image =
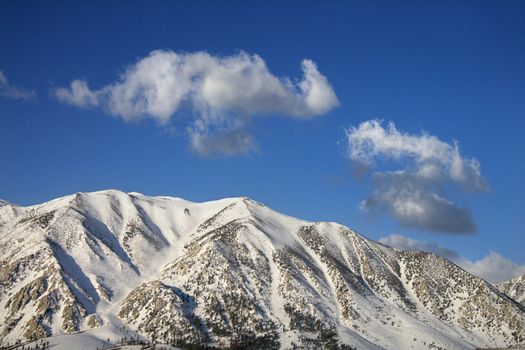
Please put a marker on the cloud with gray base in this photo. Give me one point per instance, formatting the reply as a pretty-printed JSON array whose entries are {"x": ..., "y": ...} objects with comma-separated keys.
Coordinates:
[
  {"x": 12, "y": 92},
  {"x": 414, "y": 195},
  {"x": 222, "y": 95},
  {"x": 229, "y": 143},
  {"x": 493, "y": 267}
]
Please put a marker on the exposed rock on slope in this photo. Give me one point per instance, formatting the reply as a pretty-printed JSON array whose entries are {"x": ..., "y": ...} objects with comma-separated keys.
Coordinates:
[{"x": 233, "y": 273}]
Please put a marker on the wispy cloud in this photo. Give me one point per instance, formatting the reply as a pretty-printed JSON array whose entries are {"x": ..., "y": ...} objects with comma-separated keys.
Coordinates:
[
  {"x": 229, "y": 143},
  {"x": 221, "y": 93},
  {"x": 414, "y": 194},
  {"x": 12, "y": 92},
  {"x": 493, "y": 267}
]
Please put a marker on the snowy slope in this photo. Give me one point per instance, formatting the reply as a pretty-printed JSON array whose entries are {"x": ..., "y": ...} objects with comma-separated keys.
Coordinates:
[
  {"x": 230, "y": 272},
  {"x": 515, "y": 288}
]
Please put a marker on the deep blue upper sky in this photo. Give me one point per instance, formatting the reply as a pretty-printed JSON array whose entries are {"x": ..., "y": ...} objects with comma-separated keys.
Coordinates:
[{"x": 455, "y": 69}]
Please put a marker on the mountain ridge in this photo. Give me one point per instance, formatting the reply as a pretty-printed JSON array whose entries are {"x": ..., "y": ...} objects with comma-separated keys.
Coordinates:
[
  {"x": 514, "y": 288},
  {"x": 232, "y": 272}
]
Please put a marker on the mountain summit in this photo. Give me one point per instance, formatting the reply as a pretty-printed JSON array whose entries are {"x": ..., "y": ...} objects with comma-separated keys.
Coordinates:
[
  {"x": 515, "y": 288},
  {"x": 228, "y": 273}
]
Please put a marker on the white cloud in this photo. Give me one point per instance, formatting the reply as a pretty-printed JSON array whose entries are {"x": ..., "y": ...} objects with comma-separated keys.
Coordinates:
[
  {"x": 15, "y": 93},
  {"x": 493, "y": 267},
  {"x": 414, "y": 195},
  {"x": 78, "y": 94},
  {"x": 222, "y": 94},
  {"x": 432, "y": 158}
]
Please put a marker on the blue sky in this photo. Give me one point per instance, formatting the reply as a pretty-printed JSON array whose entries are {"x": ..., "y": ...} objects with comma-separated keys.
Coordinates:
[{"x": 455, "y": 70}]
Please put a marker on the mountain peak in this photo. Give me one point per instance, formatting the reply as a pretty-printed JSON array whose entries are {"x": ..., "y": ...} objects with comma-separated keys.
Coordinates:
[{"x": 514, "y": 288}]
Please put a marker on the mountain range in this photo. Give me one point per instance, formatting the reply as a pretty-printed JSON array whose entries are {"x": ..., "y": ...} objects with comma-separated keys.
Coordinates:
[{"x": 89, "y": 268}]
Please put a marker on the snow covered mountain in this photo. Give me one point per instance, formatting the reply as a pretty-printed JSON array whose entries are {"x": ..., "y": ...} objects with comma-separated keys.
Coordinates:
[
  {"x": 231, "y": 273},
  {"x": 515, "y": 288}
]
